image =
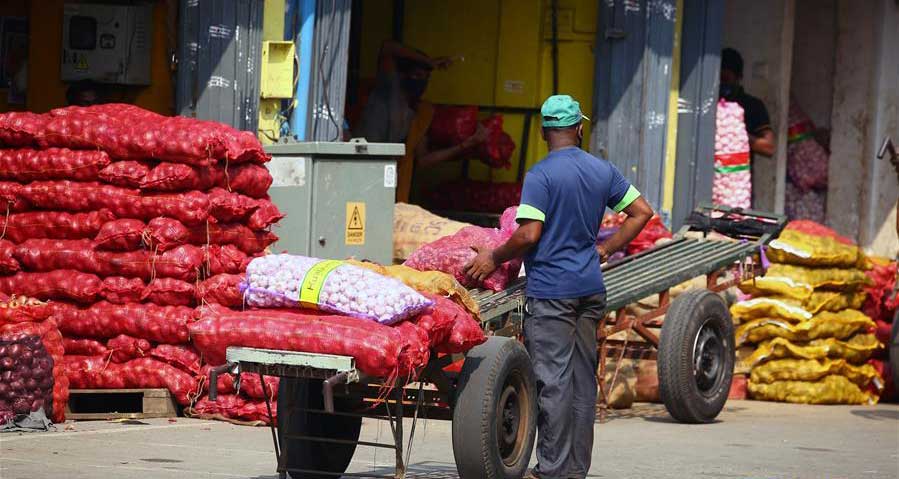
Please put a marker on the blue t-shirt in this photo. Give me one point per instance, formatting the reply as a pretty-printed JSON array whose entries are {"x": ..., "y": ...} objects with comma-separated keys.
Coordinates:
[{"x": 569, "y": 191}]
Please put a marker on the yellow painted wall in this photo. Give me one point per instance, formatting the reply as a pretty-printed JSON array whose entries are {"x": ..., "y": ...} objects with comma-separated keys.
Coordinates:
[
  {"x": 45, "y": 89},
  {"x": 507, "y": 60},
  {"x": 11, "y": 8}
]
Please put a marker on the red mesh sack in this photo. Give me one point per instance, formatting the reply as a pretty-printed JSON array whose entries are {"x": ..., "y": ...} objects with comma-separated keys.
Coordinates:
[
  {"x": 127, "y": 174},
  {"x": 242, "y": 237},
  {"x": 160, "y": 324},
  {"x": 95, "y": 372},
  {"x": 20, "y": 128},
  {"x": 463, "y": 331},
  {"x": 173, "y": 177},
  {"x": 816, "y": 229},
  {"x": 507, "y": 222},
  {"x": 189, "y": 208},
  {"x": 183, "y": 262},
  {"x": 496, "y": 152},
  {"x": 59, "y": 284},
  {"x": 11, "y": 194},
  {"x": 224, "y": 383},
  {"x": 33, "y": 375},
  {"x": 249, "y": 179},
  {"x": 451, "y": 253},
  {"x": 230, "y": 207},
  {"x": 225, "y": 259},
  {"x": 222, "y": 289},
  {"x": 451, "y": 125},
  {"x": 163, "y": 234},
  {"x": 235, "y": 409},
  {"x": 25, "y": 164},
  {"x": 438, "y": 321},
  {"x": 243, "y": 146},
  {"x": 8, "y": 262},
  {"x": 266, "y": 215},
  {"x": 121, "y": 290},
  {"x": 877, "y": 304},
  {"x": 20, "y": 227},
  {"x": 84, "y": 347},
  {"x": 18, "y": 309},
  {"x": 184, "y": 357},
  {"x": 120, "y": 235},
  {"x": 653, "y": 231},
  {"x": 379, "y": 350},
  {"x": 125, "y": 348},
  {"x": 170, "y": 292},
  {"x": 478, "y": 196}
]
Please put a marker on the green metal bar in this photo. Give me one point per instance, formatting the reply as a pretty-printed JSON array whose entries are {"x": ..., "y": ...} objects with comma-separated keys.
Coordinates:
[
  {"x": 695, "y": 259},
  {"x": 657, "y": 261}
]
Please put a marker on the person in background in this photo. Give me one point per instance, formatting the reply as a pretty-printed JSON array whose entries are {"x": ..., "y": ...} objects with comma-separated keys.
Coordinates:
[
  {"x": 83, "y": 93},
  {"x": 396, "y": 112},
  {"x": 563, "y": 201},
  {"x": 758, "y": 123}
]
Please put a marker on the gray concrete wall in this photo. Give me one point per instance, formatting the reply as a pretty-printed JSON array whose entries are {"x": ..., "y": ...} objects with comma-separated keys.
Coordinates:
[
  {"x": 813, "y": 58},
  {"x": 862, "y": 191},
  {"x": 762, "y": 31}
]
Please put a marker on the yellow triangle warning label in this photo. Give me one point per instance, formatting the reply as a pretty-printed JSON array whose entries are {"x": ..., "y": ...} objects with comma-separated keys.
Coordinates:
[
  {"x": 355, "y": 223},
  {"x": 82, "y": 63}
]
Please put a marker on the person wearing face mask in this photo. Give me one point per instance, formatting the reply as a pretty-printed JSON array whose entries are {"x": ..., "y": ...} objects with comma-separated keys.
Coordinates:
[
  {"x": 396, "y": 113},
  {"x": 758, "y": 123},
  {"x": 563, "y": 201}
]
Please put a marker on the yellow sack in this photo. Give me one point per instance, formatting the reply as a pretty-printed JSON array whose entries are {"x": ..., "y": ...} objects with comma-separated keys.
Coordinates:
[
  {"x": 814, "y": 370},
  {"x": 777, "y": 286},
  {"x": 768, "y": 308},
  {"x": 834, "y": 301},
  {"x": 433, "y": 282},
  {"x": 837, "y": 279},
  {"x": 794, "y": 247},
  {"x": 855, "y": 350},
  {"x": 832, "y": 389},
  {"x": 823, "y": 325},
  {"x": 414, "y": 226}
]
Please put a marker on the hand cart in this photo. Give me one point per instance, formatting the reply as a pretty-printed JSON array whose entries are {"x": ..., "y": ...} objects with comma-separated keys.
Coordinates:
[{"x": 491, "y": 401}]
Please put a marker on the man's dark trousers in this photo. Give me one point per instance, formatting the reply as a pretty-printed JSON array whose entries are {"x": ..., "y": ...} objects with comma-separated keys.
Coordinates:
[{"x": 560, "y": 336}]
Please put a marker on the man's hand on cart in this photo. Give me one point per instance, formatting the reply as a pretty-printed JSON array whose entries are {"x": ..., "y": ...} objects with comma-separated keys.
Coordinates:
[
  {"x": 482, "y": 265},
  {"x": 524, "y": 238}
]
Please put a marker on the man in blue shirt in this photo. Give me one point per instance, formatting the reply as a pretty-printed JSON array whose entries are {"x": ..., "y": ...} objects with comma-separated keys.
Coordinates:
[{"x": 562, "y": 204}]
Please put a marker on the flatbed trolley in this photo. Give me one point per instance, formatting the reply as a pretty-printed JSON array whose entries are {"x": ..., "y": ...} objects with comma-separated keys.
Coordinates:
[{"x": 491, "y": 400}]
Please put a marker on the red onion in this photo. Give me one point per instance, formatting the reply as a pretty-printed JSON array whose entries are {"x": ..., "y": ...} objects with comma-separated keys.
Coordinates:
[
  {"x": 21, "y": 406},
  {"x": 7, "y": 363}
]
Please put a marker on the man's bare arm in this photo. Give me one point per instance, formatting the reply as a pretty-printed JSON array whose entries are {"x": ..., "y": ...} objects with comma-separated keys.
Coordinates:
[
  {"x": 764, "y": 143},
  {"x": 638, "y": 214}
]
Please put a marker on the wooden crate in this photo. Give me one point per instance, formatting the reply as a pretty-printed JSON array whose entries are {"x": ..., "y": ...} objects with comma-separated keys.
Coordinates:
[{"x": 91, "y": 404}]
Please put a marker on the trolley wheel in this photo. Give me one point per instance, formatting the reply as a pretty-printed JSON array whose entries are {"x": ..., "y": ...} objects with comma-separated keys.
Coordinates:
[
  {"x": 894, "y": 350},
  {"x": 495, "y": 415},
  {"x": 302, "y": 454},
  {"x": 696, "y": 357}
]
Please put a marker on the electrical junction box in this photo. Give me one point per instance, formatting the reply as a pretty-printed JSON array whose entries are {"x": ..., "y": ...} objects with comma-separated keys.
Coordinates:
[
  {"x": 277, "y": 70},
  {"x": 107, "y": 43},
  {"x": 338, "y": 198}
]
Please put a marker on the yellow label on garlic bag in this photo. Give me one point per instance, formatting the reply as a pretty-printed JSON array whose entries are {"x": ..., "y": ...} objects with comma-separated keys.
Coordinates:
[{"x": 314, "y": 280}]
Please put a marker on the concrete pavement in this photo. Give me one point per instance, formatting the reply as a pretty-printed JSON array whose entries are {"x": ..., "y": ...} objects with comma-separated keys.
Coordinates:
[{"x": 751, "y": 440}]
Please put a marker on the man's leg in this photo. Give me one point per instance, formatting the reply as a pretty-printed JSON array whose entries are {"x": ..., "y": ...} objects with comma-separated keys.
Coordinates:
[
  {"x": 584, "y": 363},
  {"x": 549, "y": 330}
]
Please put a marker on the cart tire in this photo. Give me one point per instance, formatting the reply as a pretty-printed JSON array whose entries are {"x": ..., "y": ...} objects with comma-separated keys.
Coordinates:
[
  {"x": 319, "y": 456},
  {"x": 696, "y": 357},
  {"x": 495, "y": 414},
  {"x": 894, "y": 353}
]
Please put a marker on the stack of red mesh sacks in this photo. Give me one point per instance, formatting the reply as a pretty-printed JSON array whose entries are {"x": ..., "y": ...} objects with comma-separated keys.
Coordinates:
[{"x": 128, "y": 220}]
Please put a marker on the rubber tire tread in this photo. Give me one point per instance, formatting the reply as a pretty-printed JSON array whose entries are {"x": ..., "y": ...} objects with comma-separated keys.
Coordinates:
[
  {"x": 309, "y": 455},
  {"x": 474, "y": 415},
  {"x": 677, "y": 386}
]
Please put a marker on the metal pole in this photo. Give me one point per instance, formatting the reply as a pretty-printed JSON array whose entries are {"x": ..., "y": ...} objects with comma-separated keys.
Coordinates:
[
  {"x": 304, "y": 40},
  {"x": 555, "y": 46}
]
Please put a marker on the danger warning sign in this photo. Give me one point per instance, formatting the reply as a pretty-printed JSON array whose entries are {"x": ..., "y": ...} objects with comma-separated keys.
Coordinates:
[{"x": 355, "y": 223}]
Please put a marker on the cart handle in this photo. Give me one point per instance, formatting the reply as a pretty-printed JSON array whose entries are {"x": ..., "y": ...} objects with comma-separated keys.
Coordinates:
[
  {"x": 328, "y": 389},
  {"x": 214, "y": 376}
]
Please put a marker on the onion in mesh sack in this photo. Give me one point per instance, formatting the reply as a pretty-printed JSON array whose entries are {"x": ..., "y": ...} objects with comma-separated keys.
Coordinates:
[
  {"x": 31, "y": 373},
  {"x": 25, "y": 164},
  {"x": 293, "y": 281}
]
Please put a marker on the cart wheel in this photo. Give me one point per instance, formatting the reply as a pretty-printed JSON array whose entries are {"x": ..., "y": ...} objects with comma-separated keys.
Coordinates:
[
  {"x": 894, "y": 350},
  {"x": 696, "y": 357},
  {"x": 495, "y": 416},
  {"x": 335, "y": 458}
]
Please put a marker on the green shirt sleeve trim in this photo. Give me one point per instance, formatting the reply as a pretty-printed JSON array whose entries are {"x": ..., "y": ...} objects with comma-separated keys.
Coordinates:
[
  {"x": 629, "y": 197},
  {"x": 528, "y": 212}
]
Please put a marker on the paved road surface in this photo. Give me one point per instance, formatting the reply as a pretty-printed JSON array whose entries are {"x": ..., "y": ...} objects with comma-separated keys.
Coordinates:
[{"x": 752, "y": 440}]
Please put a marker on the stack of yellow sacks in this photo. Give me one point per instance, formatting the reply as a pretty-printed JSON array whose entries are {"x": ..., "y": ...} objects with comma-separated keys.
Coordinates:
[{"x": 811, "y": 339}]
